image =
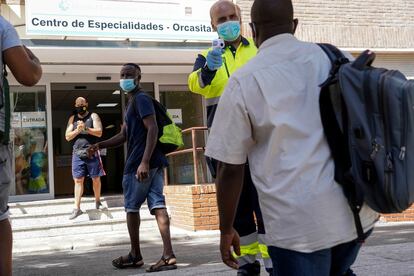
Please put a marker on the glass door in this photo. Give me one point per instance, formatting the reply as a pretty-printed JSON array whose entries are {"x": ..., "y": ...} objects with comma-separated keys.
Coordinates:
[{"x": 29, "y": 138}]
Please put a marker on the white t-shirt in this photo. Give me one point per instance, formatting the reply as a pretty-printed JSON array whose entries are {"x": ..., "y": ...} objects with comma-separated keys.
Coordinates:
[
  {"x": 269, "y": 113},
  {"x": 8, "y": 39}
]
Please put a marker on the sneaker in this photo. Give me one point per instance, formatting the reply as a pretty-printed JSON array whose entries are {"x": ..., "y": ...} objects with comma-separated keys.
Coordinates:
[
  {"x": 98, "y": 205},
  {"x": 75, "y": 213}
]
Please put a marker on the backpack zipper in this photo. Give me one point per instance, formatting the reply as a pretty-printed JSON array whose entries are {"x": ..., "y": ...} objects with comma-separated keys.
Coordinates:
[
  {"x": 403, "y": 146},
  {"x": 388, "y": 161},
  {"x": 375, "y": 146},
  {"x": 384, "y": 108}
]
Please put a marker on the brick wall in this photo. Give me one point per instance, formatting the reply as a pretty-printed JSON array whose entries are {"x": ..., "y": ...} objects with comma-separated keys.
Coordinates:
[
  {"x": 192, "y": 207},
  {"x": 348, "y": 23},
  {"x": 408, "y": 215}
]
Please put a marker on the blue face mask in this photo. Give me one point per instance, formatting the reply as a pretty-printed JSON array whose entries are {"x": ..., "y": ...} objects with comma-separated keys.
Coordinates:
[
  {"x": 127, "y": 84},
  {"x": 229, "y": 31}
]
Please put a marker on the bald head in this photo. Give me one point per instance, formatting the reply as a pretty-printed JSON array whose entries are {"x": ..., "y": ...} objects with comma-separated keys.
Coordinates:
[
  {"x": 222, "y": 11},
  {"x": 81, "y": 101},
  {"x": 272, "y": 17}
]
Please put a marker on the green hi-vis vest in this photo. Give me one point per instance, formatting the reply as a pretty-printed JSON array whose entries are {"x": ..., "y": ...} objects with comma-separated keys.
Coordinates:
[{"x": 230, "y": 64}]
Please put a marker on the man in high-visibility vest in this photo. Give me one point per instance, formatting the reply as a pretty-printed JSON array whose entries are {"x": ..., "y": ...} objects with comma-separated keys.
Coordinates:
[{"x": 212, "y": 69}]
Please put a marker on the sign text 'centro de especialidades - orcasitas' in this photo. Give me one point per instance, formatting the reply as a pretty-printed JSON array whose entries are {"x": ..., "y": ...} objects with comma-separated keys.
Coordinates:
[{"x": 152, "y": 20}]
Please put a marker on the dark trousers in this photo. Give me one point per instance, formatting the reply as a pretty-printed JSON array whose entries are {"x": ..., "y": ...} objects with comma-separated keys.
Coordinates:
[
  {"x": 248, "y": 207},
  {"x": 248, "y": 221},
  {"x": 335, "y": 261}
]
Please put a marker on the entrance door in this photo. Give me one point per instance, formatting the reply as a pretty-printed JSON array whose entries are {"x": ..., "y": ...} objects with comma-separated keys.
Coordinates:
[
  {"x": 106, "y": 100},
  {"x": 103, "y": 99}
]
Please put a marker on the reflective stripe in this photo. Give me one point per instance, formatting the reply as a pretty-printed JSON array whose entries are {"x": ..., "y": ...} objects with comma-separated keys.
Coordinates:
[
  {"x": 268, "y": 263},
  {"x": 212, "y": 101},
  {"x": 200, "y": 79},
  {"x": 244, "y": 260},
  {"x": 251, "y": 249},
  {"x": 263, "y": 251},
  {"x": 249, "y": 239}
]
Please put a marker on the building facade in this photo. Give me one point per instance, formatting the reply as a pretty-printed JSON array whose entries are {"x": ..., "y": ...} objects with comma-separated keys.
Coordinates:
[{"x": 78, "y": 65}]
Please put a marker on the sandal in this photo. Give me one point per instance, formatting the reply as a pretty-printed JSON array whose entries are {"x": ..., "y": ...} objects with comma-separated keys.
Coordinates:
[
  {"x": 131, "y": 262},
  {"x": 165, "y": 263}
]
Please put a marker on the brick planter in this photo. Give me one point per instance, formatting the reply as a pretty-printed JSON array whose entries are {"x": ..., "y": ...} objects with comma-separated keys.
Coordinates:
[
  {"x": 192, "y": 207},
  {"x": 407, "y": 215}
]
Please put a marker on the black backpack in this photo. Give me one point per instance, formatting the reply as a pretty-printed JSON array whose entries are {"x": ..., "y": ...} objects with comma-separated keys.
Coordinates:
[{"x": 368, "y": 119}]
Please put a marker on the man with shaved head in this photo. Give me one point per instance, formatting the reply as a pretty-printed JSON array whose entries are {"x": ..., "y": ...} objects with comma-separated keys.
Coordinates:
[
  {"x": 212, "y": 70},
  {"x": 83, "y": 130},
  {"x": 269, "y": 114}
]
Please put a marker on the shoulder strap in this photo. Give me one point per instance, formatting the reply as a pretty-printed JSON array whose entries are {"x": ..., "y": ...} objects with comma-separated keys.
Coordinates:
[
  {"x": 335, "y": 124},
  {"x": 7, "y": 113},
  {"x": 337, "y": 59}
]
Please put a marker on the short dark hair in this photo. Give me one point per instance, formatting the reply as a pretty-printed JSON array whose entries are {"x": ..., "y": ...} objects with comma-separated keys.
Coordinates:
[{"x": 133, "y": 65}]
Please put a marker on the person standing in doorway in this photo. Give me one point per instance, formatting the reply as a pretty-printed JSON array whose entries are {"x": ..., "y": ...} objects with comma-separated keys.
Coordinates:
[
  {"x": 84, "y": 128},
  {"x": 27, "y": 70},
  {"x": 144, "y": 170},
  {"x": 212, "y": 70}
]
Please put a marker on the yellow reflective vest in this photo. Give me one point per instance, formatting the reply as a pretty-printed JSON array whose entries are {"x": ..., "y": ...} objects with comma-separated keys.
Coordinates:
[{"x": 231, "y": 63}]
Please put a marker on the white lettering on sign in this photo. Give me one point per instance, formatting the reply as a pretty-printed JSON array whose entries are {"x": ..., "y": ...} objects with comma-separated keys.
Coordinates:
[
  {"x": 176, "y": 115},
  {"x": 150, "y": 20}
]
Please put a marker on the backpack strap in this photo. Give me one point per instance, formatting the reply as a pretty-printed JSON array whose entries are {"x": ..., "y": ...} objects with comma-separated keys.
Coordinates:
[
  {"x": 335, "y": 124},
  {"x": 337, "y": 59},
  {"x": 7, "y": 113}
]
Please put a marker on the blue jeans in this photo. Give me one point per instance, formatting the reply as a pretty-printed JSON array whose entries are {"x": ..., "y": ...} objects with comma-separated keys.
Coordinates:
[
  {"x": 335, "y": 261},
  {"x": 151, "y": 190}
]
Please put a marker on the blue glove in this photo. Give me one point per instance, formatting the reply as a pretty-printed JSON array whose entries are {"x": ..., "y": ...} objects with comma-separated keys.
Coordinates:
[{"x": 214, "y": 59}]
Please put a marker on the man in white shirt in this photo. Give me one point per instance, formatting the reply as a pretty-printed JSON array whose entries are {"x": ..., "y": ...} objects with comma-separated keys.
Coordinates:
[{"x": 269, "y": 113}]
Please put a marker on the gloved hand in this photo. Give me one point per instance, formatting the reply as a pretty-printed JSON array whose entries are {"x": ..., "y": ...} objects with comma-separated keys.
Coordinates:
[{"x": 214, "y": 59}]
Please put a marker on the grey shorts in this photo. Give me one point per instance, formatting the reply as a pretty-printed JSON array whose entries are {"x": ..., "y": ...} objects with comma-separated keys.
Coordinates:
[{"x": 5, "y": 179}]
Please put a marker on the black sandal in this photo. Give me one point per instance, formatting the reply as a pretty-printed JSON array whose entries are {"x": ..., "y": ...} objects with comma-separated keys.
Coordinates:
[
  {"x": 164, "y": 264},
  {"x": 120, "y": 263}
]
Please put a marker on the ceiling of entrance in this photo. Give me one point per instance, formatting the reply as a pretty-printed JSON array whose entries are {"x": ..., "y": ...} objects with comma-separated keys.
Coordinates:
[{"x": 64, "y": 94}]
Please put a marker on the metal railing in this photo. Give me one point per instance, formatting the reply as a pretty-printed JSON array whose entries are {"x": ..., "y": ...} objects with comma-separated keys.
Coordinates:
[{"x": 194, "y": 150}]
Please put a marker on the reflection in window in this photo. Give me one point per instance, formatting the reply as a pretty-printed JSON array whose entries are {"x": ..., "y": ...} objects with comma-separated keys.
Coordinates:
[
  {"x": 29, "y": 132},
  {"x": 186, "y": 109}
]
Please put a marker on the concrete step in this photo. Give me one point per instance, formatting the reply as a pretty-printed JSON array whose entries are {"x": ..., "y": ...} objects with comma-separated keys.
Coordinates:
[
  {"x": 33, "y": 220},
  {"x": 42, "y": 219},
  {"x": 42, "y": 207}
]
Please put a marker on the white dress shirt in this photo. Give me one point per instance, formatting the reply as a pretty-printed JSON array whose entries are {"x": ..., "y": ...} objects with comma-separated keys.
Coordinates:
[{"x": 269, "y": 113}]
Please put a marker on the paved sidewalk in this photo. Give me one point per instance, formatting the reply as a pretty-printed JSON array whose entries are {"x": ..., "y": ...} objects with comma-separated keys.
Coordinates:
[{"x": 389, "y": 251}]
